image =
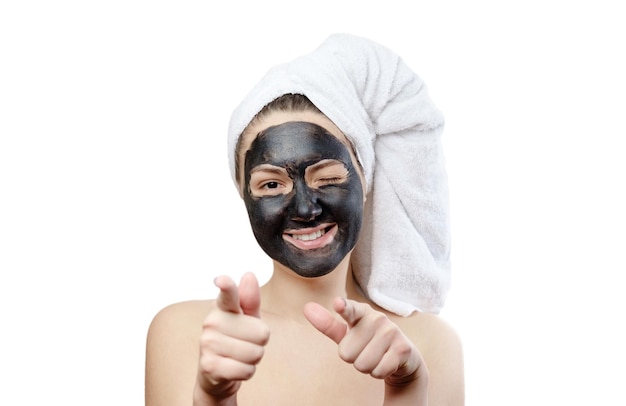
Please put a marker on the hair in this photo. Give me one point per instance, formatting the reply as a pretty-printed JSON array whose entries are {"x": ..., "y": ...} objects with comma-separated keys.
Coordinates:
[{"x": 290, "y": 102}]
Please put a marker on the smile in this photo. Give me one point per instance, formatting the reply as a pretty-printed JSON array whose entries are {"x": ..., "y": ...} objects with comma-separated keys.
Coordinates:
[{"x": 308, "y": 239}]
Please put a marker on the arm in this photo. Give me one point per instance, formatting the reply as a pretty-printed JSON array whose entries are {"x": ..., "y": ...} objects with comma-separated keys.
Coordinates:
[
  {"x": 442, "y": 351},
  {"x": 232, "y": 342},
  {"x": 172, "y": 354}
]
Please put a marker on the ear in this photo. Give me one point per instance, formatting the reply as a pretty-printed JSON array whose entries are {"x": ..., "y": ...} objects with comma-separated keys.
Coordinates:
[
  {"x": 240, "y": 188},
  {"x": 363, "y": 190}
]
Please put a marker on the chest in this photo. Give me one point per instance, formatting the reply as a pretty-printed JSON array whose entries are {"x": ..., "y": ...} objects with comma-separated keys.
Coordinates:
[{"x": 301, "y": 366}]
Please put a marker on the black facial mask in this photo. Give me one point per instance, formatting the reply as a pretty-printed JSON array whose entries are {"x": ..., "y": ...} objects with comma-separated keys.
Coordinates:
[{"x": 331, "y": 211}]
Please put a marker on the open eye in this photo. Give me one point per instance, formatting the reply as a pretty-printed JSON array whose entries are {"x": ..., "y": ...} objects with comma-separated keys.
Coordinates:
[
  {"x": 269, "y": 182},
  {"x": 270, "y": 185}
]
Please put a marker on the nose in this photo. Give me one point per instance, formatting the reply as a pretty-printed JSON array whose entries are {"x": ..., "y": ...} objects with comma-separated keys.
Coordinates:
[{"x": 305, "y": 205}]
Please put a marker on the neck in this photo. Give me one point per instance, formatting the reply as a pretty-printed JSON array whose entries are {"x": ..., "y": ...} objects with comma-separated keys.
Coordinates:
[{"x": 286, "y": 293}]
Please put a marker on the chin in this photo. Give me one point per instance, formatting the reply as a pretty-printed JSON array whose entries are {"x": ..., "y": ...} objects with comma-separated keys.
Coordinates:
[
  {"x": 310, "y": 267},
  {"x": 312, "y": 273}
]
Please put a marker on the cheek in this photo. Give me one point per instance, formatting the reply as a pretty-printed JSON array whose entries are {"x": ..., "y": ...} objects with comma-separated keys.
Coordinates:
[
  {"x": 266, "y": 212},
  {"x": 346, "y": 201}
]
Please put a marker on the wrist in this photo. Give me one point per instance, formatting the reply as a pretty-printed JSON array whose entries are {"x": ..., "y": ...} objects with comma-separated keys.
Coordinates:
[
  {"x": 202, "y": 398},
  {"x": 419, "y": 376},
  {"x": 411, "y": 388}
]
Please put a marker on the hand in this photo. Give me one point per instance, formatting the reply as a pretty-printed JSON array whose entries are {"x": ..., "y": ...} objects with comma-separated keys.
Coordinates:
[
  {"x": 370, "y": 341},
  {"x": 232, "y": 341}
]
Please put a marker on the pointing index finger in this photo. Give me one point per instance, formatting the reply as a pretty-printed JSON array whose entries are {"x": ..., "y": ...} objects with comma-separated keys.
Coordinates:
[
  {"x": 250, "y": 295},
  {"x": 228, "y": 298},
  {"x": 350, "y": 310}
]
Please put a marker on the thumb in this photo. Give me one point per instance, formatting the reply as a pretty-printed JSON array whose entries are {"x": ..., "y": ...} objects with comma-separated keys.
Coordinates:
[
  {"x": 250, "y": 295},
  {"x": 325, "y": 322}
]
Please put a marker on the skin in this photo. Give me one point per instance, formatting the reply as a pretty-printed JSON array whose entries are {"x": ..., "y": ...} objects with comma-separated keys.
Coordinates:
[
  {"x": 309, "y": 340},
  {"x": 300, "y": 180}
]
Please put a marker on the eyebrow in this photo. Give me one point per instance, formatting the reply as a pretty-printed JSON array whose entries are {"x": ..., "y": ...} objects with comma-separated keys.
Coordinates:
[
  {"x": 268, "y": 168},
  {"x": 325, "y": 163}
]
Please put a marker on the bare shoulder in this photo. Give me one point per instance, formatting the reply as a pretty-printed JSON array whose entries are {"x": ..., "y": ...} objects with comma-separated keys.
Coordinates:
[
  {"x": 172, "y": 352},
  {"x": 179, "y": 315},
  {"x": 429, "y": 331},
  {"x": 176, "y": 328}
]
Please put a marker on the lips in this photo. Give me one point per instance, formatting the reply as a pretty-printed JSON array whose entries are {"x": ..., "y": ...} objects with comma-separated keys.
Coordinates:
[{"x": 311, "y": 238}]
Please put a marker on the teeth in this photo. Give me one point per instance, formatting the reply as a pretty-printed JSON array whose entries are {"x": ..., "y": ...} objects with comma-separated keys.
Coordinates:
[{"x": 309, "y": 237}]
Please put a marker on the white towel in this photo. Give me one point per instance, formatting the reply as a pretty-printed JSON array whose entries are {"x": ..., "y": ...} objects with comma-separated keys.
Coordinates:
[{"x": 401, "y": 261}]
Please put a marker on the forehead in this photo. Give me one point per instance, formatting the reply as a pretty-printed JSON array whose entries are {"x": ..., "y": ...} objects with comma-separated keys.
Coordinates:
[
  {"x": 280, "y": 117},
  {"x": 295, "y": 143}
]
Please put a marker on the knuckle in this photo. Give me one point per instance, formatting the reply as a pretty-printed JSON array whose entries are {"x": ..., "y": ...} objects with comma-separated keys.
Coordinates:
[
  {"x": 345, "y": 353},
  {"x": 208, "y": 340},
  {"x": 363, "y": 310},
  {"x": 208, "y": 365},
  {"x": 362, "y": 366},
  {"x": 213, "y": 369},
  {"x": 264, "y": 334},
  {"x": 401, "y": 344},
  {"x": 380, "y": 320},
  {"x": 390, "y": 332},
  {"x": 404, "y": 348},
  {"x": 247, "y": 372},
  {"x": 212, "y": 320},
  {"x": 379, "y": 374},
  {"x": 258, "y": 355}
]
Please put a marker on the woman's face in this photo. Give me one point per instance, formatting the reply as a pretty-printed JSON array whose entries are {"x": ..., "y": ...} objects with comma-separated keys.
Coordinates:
[{"x": 304, "y": 194}]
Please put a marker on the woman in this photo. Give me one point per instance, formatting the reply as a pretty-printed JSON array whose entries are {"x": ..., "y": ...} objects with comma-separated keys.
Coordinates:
[{"x": 312, "y": 335}]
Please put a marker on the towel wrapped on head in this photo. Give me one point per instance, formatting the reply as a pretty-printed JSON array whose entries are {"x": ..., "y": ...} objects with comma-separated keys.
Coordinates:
[{"x": 402, "y": 259}]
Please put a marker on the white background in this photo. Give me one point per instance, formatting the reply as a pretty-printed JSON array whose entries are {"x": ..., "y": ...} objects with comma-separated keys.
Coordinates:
[{"x": 115, "y": 198}]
